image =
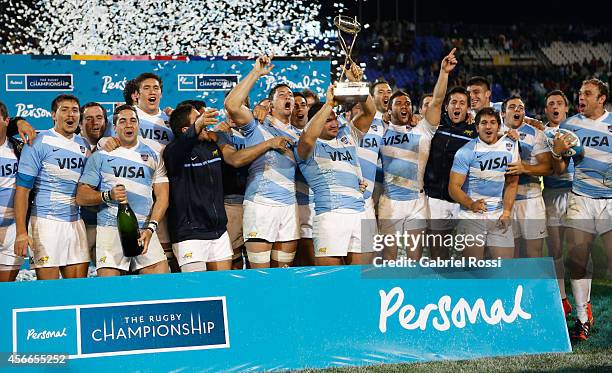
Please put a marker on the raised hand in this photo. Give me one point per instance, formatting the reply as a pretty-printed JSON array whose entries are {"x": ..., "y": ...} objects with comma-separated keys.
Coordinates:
[
  {"x": 209, "y": 117},
  {"x": 354, "y": 73},
  {"x": 263, "y": 65},
  {"x": 449, "y": 62}
]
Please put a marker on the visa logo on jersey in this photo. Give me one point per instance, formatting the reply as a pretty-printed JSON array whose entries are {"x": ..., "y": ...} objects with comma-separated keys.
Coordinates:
[
  {"x": 493, "y": 163},
  {"x": 154, "y": 134},
  {"x": 396, "y": 139},
  {"x": 70, "y": 163},
  {"x": 8, "y": 169},
  {"x": 595, "y": 141},
  {"x": 340, "y": 156},
  {"x": 129, "y": 171}
]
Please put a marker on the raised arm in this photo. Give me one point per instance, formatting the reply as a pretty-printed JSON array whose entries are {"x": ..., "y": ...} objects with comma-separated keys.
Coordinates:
[
  {"x": 435, "y": 107},
  {"x": 243, "y": 157},
  {"x": 309, "y": 137},
  {"x": 239, "y": 113},
  {"x": 364, "y": 119}
]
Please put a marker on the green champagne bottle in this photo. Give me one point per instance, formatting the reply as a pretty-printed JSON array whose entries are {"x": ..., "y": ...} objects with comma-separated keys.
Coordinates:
[{"x": 127, "y": 224}]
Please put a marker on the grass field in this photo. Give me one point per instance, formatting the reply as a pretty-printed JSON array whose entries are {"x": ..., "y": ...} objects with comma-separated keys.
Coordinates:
[{"x": 594, "y": 355}]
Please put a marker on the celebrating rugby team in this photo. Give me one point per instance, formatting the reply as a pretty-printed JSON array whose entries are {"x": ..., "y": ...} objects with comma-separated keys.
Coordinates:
[{"x": 296, "y": 181}]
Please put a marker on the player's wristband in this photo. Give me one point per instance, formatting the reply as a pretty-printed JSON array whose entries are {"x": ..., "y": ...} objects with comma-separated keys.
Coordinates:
[
  {"x": 106, "y": 196},
  {"x": 152, "y": 226}
]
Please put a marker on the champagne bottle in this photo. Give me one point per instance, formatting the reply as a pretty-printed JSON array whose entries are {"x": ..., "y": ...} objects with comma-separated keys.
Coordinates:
[{"x": 127, "y": 224}]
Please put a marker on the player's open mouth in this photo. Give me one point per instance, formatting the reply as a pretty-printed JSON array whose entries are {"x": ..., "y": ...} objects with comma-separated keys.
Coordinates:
[
  {"x": 129, "y": 132},
  {"x": 385, "y": 102},
  {"x": 489, "y": 133},
  {"x": 581, "y": 106},
  {"x": 516, "y": 117},
  {"x": 456, "y": 114},
  {"x": 70, "y": 122},
  {"x": 555, "y": 114},
  {"x": 152, "y": 99},
  {"x": 403, "y": 114},
  {"x": 288, "y": 106},
  {"x": 300, "y": 116}
]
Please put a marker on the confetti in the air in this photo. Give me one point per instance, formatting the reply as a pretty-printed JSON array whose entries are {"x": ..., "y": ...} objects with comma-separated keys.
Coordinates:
[{"x": 166, "y": 27}]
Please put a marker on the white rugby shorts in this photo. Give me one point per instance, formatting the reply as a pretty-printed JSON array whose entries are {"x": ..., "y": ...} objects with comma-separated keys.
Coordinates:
[
  {"x": 442, "y": 214},
  {"x": 110, "y": 255},
  {"x": 7, "y": 247},
  {"x": 57, "y": 243},
  {"x": 401, "y": 216},
  {"x": 337, "y": 233},
  {"x": 206, "y": 251},
  {"x": 589, "y": 214},
  {"x": 483, "y": 227},
  {"x": 556, "y": 206},
  {"x": 270, "y": 223},
  {"x": 529, "y": 218}
]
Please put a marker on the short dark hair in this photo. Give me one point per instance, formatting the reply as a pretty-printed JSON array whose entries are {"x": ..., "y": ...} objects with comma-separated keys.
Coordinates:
[
  {"x": 94, "y": 104},
  {"x": 479, "y": 80},
  {"x": 377, "y": 83},
  {"x": 455, "y": 90},
  {"x": 130, "y": 88},
  {"x": 556, "y": 92},
  {"x": 3, "y": 110},
  {"x": 505, "y": 103},
  {"x": 144, "y": 76},
  {"x": 314, "y": 109},
  {"x": 63, "y": 97},
  {"x": 276, "y": 87},
  {"x": 197, "y": 104},
  {"x": 604, "y": 89},
  {"x": 121, "y": 108},
  {"x": 423, "y": 97},
  {"x": 395, "y": 95},
  {"x": 309, "y": 93},
  {"x": 299, "y": 94},
  {"x": 487, "y": 111},
  {"x": 180, "y": 118}
]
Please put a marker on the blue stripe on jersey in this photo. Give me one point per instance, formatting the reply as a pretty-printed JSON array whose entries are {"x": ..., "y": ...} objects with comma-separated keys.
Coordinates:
[
  {"x": 532, "y": 142},
  {"x": 369, "y": 149},
  {"x": 57, "y": 164},
  {"x": 137, "y": 168},
  {"x": 8, "y": 173},
  {"x": 332, "y": 171},
  {"x": 485, "y": 167},
  {"x": 404, "y": 154},
  {"x": 593, "y": 170},
  {"x": 271, "y": 178}
]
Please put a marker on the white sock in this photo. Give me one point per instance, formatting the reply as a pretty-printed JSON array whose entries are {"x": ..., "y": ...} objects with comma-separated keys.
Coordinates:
[{"x": 580, "y": 288}]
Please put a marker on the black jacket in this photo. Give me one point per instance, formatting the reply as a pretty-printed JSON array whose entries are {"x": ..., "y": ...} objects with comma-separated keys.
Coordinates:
[
  {"x": 194, "y": 168},
  {"x": 449, "y": 138}
]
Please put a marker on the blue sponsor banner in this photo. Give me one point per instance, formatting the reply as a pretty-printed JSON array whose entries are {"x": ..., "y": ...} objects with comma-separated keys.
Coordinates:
[
  {"x": 289, "y": 318},
  {"x": 31, "y": 82}
]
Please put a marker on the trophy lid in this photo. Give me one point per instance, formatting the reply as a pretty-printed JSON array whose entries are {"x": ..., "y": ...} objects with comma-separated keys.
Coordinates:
[{"x": 347, "y": 24}]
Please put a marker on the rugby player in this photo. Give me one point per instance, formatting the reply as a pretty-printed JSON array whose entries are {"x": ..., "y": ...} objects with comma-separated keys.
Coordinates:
[
  {"x": 454, "y": 132},
  {"x": 327, "y": 157},
  {"x": 133, "y": 173},
  {"x": 589, "y": 206},
  {"x": 529, "y": 214},
  {"x": 94, "y": 121},
  {"x": 405, "y": 149},
  {"x": 479, "y": 183},
  {"x": 311, "y": 97},
  {"x": 555, "y": 194},
  {"x": 50, "y": 168},
  {"x": 270, "y": 224},
  {"x": 10, "y": 150}
]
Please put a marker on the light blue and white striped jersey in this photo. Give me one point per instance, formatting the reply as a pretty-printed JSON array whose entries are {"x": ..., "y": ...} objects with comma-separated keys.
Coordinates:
[
  {"x": 497, "y": 106},
  {"x": 592, "y": 171},
  {"x": 272, "y": 175},
  {"x": 532, "y": 142},
  {"x": 369, "y": 150},
  {"x": 563, "y": 181},
  {"x": 56, "y": 163},
  {"x": 333, "y": 173},
  {"x": 137, "y": 168},
  {"x": 405, "y": 150},
  {"x": 8, "y": 173},
  {"x": 151, "y": 127},
  {"x": 485, "y": 167}
]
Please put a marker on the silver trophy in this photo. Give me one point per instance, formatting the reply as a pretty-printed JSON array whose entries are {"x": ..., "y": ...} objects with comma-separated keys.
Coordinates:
[{"x": 346, "y": 92}]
